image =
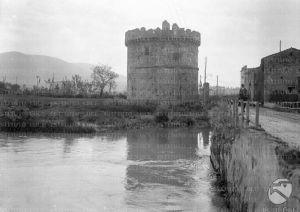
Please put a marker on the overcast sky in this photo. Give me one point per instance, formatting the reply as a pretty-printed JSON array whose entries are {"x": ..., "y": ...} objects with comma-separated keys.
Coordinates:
[{"x": 234, "y": 32}]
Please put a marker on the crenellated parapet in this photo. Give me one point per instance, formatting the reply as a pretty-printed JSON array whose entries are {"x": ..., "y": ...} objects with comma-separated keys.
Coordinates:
[{"x": 163, "y": 34}]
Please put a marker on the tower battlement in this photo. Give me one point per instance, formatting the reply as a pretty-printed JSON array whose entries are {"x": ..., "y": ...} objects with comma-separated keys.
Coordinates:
[{"x": 162, "y": 34}]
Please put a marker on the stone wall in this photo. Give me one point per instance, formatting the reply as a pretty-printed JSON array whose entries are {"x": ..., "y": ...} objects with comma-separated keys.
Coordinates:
[
  {"x": 281, "y": 73},
  {"x": 277, "y": 74}
]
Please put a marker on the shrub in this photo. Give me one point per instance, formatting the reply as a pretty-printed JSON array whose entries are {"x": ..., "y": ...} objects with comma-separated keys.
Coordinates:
[
  {"x": 202, "y": 117},
  {"x": 283, "y": 97},
  {"x": 162, "y": 109},
  {"x": 184, "y": 120},
  {"x": 189, "y": 121},
  {"x": 122, "y": 95},
  {"x": 15, "y": 119},
  {"x": 220, "y": 118},
  {"x": 147, "y": 118},
  {"x": 90, "y": 119},
  {"x": 69, "y": 120},
  {"x": 161, "y": 118},
  {"x": 161, "y": 114},
  {"x": 189, "y": 106},
  {"x": 19, "y": 119}
]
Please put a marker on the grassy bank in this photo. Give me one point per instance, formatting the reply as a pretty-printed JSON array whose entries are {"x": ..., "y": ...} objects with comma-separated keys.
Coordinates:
[
  {"x": 89, "y": 116},
  {"x": 247, "y": 161}
]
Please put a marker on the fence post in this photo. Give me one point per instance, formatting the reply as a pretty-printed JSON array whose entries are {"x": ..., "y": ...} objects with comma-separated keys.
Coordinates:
[
  {"x": 233, "y": 111},
  {"x": 236, "y": 112},
  {"x": 247, "y": 112},
  {"x": 230, "y": 110},
  {"x": 242, "y": 109},
  {"x": 257, "y": 114}
]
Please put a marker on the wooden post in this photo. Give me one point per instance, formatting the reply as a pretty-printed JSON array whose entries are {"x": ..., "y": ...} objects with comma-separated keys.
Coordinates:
[
  {"x": 230, "y": 109},
  {"x": 205, "y": 93},
  {"x": 233, "y": 111},
  {"x": 236, "y": 109},
  {"x": 247, "y": 112},
  {"x": 257, "y": 114},
  {"x": 242, "y": 110}
]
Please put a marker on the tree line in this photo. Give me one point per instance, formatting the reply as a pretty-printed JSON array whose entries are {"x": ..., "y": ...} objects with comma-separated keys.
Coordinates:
[{"x": 102, "y": 83}]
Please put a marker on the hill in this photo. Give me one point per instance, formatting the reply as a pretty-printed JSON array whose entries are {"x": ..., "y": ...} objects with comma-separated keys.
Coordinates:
[{"x": 24, "y": 68}]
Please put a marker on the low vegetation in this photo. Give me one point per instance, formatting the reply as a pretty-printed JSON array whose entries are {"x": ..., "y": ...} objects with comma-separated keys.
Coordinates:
[
  {"x": 88, "y": 116},
  {"x": 21, "y": 119}
]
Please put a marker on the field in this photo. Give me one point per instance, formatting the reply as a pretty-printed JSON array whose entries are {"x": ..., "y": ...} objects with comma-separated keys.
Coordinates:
[{"x": 46, "y": 114}]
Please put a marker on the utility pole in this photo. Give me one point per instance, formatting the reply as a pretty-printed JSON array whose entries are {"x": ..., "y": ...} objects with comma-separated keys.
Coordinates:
[
  {"x": 205, "y": 70},
  {"x": 217, "y": 85},
  {"x": 200, "y": 81},
  {"x": 38, "y": 80},
  {"x": 205, "y": 87},
  {"x": 280, "y": 46}
]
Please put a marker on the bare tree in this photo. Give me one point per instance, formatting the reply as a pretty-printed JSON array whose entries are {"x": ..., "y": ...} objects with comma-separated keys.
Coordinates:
[
  {"x": 102, "y": 77},
  {"x": 77, "y": 83},
  {"x": 112, "y": 85},
  {"x": 67, "y": 87}
]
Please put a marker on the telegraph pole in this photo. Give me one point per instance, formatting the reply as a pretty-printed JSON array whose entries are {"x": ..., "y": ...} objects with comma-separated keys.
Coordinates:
[
  {"x": 217, "y": 85},
  {"x": 205, "y": 87},
  {"x": 280, "y": 46},
  {"x": 205, "y": 70}
]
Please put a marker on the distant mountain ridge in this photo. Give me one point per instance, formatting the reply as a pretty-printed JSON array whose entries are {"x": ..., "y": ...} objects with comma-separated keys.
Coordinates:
[{"x": 24, "y": 68}]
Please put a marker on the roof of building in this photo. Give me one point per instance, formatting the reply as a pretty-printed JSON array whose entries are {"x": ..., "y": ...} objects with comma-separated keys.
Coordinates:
[
  {"x": 286, "y": 51},
  {"x": 283, "y": 52},
  {"x": 245, "y": 68}
]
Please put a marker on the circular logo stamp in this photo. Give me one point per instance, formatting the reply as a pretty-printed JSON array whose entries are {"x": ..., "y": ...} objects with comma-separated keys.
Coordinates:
[{"x": 279, "y": 191}]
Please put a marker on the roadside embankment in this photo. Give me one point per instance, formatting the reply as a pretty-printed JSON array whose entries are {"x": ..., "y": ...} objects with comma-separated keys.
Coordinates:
[{"x": 247, "y": 161}]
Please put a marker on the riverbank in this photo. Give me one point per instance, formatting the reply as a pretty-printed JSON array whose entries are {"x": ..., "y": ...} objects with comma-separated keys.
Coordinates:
[
  {"x": 93, "y": 115},
  {"x": 248, "y": 161}
]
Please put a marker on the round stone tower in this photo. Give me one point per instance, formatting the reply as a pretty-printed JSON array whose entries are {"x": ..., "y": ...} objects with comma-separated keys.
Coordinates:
[{"x": 162, "y": 64}]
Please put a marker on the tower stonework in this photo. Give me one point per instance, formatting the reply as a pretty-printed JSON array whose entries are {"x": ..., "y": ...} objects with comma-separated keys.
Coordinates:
[{"x": 162, "y": 64}]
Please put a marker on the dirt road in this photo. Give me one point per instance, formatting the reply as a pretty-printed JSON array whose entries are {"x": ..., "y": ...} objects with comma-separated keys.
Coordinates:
[{"x": 283, "y": 125}]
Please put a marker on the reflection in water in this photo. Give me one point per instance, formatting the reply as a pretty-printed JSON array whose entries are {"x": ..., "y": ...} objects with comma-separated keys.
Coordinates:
[
  {"x": 160, "y": 149},
  {"x": 170, "y": 170},
  {"x": 158, "y": 169},
  {"x": 161, "y": 145},
  {"x": 205, "y": 136},
  {"x": 68, "y": 143}
]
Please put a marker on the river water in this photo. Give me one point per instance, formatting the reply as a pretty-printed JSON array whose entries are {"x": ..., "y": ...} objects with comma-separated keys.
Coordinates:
[{"x": 145, "y": 170}]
